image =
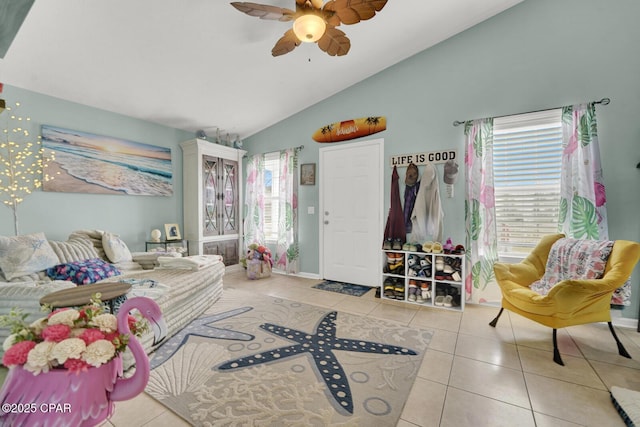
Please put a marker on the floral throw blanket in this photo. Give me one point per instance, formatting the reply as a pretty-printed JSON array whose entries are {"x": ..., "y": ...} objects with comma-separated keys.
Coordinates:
[{"x": 573, "y": 259}]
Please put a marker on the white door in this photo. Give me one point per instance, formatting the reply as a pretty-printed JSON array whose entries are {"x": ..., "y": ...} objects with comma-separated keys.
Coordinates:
[{"x": 351, "y": 219}]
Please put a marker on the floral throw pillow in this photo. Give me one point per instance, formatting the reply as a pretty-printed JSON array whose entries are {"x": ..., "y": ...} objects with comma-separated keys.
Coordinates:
[
  {"x": 83, "y": 272},
  {"x": 25, "y": 255},
  {"x": 573, "y": 259},
  {"x": 115, "y": 249}
]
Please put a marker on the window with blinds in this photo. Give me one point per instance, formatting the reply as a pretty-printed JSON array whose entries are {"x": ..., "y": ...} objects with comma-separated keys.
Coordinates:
[
  {"x": 271, "y": 195},
  {"x": 527, "y": 159}
]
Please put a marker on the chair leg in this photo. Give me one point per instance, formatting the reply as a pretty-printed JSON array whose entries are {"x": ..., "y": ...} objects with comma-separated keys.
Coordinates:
[
  {"x": 621, "y": 350},
  {"x": 494, "y": 322},
  {"x": 556, "y": 353}
]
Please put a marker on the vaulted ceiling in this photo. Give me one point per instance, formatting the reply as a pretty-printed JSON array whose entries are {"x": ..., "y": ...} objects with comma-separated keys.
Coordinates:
[{"x": 201, "y": 64}]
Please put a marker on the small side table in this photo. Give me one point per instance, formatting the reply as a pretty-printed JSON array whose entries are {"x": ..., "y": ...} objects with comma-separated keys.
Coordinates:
[
  {"x": 81, "y": 295},
  {"x": 181, "y": 246}
]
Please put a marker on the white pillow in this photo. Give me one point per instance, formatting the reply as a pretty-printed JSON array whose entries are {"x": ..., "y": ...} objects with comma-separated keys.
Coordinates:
[
  {"x": 24, "y": 255},
  {"x": 115, "y": 249}
]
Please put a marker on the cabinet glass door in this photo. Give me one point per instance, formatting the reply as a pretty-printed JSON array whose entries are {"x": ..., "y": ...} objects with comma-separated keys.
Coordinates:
[
  {"x": 210, "y": 213},
  {"x": 229, "y": 197}
]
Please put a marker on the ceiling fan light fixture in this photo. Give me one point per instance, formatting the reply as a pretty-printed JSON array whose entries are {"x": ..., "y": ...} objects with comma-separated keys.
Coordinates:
[{"x": 309, "y": 28}]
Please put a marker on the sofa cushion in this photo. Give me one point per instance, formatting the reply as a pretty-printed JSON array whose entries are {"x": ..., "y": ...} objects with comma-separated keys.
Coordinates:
[
  {"x": 94, "y": 236},
  {"x": 573, "y": 259},
  {"x": 115, "y": 249},
  {"x": 25, "y": 255},
  {"x": 75, "y": 249},
  {"x": 83, "y": 272}
]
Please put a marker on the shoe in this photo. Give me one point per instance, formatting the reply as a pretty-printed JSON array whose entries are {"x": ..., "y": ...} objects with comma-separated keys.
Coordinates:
[
  {"x": 436, "y": 248},
  {"x": 387, "y": 244},
  {"x": 388, "y": 288},
  {"x": 458, "y": 250},
  {"x": 406, "y": 247},
  {"x": 413, "y": 260},
  {"x": 397, "y": 245},
  {"x": 427, "y": 247},
  {"x": 446, "y": 301},
  {"x": 398, "y": 290},
  {"x": 425, "y": 292},
  {"x": 448, "y": 246},
  {"x": 413, "y": 290},
  {"x": 439, "y": 263},
  {"x": 439, "y": 301}
]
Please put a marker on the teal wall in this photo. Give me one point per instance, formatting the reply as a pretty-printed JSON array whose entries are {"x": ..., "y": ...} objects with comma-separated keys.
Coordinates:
[
  {"x": 539, "y": 54},
  {"x": 58, "y": 214}
]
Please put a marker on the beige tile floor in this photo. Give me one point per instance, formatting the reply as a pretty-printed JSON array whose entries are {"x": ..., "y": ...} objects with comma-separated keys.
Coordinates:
[{"x": 472, "y": 374}]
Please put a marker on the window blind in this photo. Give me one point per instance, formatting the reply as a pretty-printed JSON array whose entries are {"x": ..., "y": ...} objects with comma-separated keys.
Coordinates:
[
  {"x": 527, "y": 160},
  {"x": 271, "y": 195}
]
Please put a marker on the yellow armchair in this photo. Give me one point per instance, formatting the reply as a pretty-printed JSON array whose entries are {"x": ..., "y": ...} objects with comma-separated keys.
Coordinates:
[{"x": 569, "y": 302}]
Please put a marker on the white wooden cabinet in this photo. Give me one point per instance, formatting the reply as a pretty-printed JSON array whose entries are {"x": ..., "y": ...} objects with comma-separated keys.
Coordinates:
[{"x": 212, "y": 195}]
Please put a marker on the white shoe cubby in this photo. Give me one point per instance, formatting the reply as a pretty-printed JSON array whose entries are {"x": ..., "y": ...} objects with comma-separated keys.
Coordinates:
[{"x": 424, "y": 278}]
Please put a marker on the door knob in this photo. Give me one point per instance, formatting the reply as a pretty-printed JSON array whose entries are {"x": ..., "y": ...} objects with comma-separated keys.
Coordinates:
[
  {"x": 326, "y": 213},
  {"x": 326, "y": 222}
]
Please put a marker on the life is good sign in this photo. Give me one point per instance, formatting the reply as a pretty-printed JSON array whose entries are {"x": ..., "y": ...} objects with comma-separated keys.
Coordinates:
[{"x": 424, "y": 158}]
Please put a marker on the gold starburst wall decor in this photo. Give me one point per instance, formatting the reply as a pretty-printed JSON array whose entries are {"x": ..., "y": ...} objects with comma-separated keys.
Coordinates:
[{"x": 21, "y": 160}]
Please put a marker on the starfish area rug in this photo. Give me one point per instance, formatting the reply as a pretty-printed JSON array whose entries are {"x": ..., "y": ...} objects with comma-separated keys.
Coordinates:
[{"x": 258, "y": 360}]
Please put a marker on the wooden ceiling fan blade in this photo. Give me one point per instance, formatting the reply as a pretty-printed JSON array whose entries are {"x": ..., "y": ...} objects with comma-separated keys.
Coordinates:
[
  {"x": 334, "y": 42},
  {"x": 286, "y": 44},
  {"x": 264, "y": 11},
  {"x": 332, "y": 19},
  {"x": 317, "y": 4},
  {"x": 342, "y": 4},
  {"x": 348, "y": 16},
  {"x": 353, "y": 11}
]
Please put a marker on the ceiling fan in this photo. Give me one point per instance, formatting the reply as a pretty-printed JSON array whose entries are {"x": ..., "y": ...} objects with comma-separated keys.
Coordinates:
[{"x": 314, "y": 22}]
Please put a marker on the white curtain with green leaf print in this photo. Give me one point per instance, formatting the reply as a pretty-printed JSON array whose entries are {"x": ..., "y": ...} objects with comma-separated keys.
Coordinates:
[
  {"x": 481, "y": 243},
  {"x": 287, "y": 245},
  {"x": 583, "y": 211},
  {"x": 254, "y": 202}
]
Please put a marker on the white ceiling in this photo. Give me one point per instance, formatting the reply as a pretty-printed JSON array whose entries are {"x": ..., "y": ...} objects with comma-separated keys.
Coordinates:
[{"x": 201, "y": 64}]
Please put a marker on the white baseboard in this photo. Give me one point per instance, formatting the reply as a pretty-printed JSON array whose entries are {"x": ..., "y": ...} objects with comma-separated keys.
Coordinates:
[
  {"x": 301, "y": 274},
  {"x": 623, "y": 322},
  {"x": 234, "y": 267}
]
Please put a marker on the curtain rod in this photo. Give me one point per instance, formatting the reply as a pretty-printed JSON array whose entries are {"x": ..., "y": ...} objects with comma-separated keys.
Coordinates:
[
  {"x": 603, "y": 101},
  {"x": 298, "y": 148}
]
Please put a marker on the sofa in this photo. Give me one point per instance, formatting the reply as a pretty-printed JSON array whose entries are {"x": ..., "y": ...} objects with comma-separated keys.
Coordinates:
[{"x": 31, "y": 266}]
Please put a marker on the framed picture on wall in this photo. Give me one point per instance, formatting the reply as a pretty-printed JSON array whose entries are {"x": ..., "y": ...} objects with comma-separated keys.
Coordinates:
[
  {"x": 172, "y": 231},
  {"x": 308, "y": 174}
]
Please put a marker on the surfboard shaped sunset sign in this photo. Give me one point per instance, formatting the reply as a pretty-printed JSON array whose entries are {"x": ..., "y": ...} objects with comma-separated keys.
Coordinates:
[{"x": 350, "y": 129}]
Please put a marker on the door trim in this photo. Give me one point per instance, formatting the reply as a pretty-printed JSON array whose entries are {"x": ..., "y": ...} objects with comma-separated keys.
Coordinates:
[{"x": 379, "y": 142}]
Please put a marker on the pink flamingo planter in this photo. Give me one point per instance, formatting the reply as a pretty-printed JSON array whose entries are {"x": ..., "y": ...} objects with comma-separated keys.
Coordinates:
[{"x": 58, "y": 398}]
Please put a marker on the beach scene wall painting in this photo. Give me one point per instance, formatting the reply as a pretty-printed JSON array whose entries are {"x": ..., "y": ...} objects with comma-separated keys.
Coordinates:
[{"x": 87, "y": 163}]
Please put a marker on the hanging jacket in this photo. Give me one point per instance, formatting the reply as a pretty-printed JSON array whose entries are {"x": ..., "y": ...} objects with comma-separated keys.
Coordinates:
[
  {"x": 395, "y": 221},
  {"x": 410, "y": 194},
  {"x": 427, "y": 215}
]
